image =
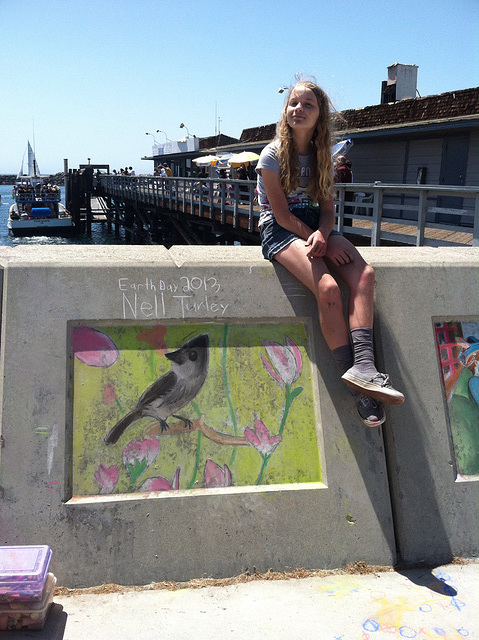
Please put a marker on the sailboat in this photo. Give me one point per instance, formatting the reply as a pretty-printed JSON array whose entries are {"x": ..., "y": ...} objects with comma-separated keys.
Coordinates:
[{"x": 37, "y": 209}]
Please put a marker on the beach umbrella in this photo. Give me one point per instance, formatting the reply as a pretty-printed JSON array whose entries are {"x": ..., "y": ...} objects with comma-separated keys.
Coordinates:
[
  {"x": 204, "y": 161},
  {"x": 244, "y": 157}
]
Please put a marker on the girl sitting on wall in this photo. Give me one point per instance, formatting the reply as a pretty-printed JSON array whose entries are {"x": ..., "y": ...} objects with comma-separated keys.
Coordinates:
[{"x": 295, "y": 181}]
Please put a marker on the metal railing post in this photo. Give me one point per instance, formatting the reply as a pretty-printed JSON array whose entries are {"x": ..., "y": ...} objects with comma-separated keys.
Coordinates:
[
  {"x": 475, "y": 229},
  {"x": 223, "y": 200},
  {"x": 377, "y": 215},
  {"x": 251, "y": 208},
  {"x": 421, "y": 218},
  {"x": 183, "y": 182},
  {"x": 200, "y": 199},
  {"x": 340, "y": 211},
  {"x": 235, "y": 205}
]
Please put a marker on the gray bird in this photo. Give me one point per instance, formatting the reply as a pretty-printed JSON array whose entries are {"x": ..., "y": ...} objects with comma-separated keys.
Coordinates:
[{"x": 173, "y": 390}]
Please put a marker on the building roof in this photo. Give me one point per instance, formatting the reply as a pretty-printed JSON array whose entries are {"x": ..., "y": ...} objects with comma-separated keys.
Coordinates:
[
  {"x": 258, "y": 134},
  {"x": 444, "y": 106},
  {"x": 220, "y": 140}
]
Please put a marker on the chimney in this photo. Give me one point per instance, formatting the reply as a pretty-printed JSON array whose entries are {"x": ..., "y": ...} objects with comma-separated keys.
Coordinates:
[{"x": 401, "y": 83}]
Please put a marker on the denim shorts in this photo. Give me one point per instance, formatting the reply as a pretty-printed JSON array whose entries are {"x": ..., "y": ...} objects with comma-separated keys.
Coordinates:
[{"x": 274, "y": 237}]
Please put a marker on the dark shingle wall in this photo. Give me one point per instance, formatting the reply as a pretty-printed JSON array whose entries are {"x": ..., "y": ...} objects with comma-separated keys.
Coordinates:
[{"x": 453, "y": 104}]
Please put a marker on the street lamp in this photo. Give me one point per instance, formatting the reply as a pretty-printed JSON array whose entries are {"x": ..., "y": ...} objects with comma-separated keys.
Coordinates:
[
  {"x": 183, "y": 126},
  {"x": 150, "y": 134},
  {"x": 160, "y": 131},
  {"x": 283, "y": 89}
]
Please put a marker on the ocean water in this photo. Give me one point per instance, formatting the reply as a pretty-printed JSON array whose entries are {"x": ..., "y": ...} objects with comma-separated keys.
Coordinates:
[{"x": 99, "y": 234}]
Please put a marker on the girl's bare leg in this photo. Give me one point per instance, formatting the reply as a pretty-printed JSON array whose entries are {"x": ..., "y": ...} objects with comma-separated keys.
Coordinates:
[
  {"x": 315, "y": 274},
  {"x": 359, "y": 277}
]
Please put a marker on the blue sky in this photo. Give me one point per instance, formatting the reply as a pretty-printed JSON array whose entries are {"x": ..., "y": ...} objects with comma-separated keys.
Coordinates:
[{"x": 90, "y": 78}]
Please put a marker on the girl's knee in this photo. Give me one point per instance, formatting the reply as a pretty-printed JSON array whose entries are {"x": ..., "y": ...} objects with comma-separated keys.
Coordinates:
[
  {"x": 328, "y": 291},
  {"x": 368, "y": 276},
  {"x": 365, "y": 280},
  {"x": 363, "y": 283}
]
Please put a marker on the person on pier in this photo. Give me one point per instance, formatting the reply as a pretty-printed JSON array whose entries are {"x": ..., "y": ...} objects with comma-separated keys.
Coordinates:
[
  {"x": 344, "y": 175},
  {"x": 295, "y": 185}
]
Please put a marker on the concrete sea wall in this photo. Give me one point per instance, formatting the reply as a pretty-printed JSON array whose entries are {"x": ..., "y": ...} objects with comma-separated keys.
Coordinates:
[{"x": 256, "y": 456}]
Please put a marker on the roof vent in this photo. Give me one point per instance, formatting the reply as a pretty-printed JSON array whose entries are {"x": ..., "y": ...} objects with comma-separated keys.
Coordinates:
[{"x": 401, "y": 83}]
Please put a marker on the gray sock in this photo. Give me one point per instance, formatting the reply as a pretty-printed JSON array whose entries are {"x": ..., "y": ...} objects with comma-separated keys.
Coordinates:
[
  {"x": 344, "y": 358},
  {"x": 363, "y": 351}
]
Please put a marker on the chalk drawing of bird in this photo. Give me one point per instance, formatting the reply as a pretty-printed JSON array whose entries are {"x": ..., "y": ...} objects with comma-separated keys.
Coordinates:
[{"x": 173, "y": 390}]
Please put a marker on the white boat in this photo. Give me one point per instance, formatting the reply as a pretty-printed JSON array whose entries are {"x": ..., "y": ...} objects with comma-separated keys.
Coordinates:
[{"x": 37, "y": 209}]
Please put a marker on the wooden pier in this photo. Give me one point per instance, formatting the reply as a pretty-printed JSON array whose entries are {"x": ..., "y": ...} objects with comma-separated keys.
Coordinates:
[{"x": 210, "y": 211}]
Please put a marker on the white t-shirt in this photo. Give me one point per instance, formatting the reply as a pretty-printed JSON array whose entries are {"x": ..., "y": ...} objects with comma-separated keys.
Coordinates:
[{"x": 297, "y": 199}]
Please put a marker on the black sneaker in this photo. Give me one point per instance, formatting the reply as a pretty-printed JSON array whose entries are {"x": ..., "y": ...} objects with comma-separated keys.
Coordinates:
[
  {"x": 370, "y": 411},
  {"x": 378, "y": 387}
]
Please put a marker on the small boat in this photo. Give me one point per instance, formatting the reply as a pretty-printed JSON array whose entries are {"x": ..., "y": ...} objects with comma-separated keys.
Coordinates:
[{"x": 37, "y": 209}]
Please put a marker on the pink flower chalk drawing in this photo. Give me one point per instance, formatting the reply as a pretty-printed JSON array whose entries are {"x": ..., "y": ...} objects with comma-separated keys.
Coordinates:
[
  {"x": 138, "y": 456},
  {"x": 214, "y": 476},
  {"x": 286, "y": 363},
  {"x": 260, "y": 438},
  {"x": 107, "y": 477},
  {"x": 161, "y": 484},
  {"x": 93, "y": 347}
]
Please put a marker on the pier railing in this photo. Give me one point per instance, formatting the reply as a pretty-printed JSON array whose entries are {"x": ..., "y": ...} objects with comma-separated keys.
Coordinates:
[
  {"x": 230, "y": 202},
  {"x": 421, "y": 215}
]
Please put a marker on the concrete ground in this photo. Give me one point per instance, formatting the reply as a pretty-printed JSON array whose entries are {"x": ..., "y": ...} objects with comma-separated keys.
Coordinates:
[{"x": 439, "y": 604}]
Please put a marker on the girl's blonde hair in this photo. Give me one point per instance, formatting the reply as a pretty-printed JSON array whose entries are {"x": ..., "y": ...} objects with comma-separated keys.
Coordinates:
[{"x": 321, "y": 177}]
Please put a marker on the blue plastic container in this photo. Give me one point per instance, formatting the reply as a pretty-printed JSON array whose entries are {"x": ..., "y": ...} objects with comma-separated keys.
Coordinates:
[
  {"x": 40, "y": 212},
  {"x": 23, "y": 572}
]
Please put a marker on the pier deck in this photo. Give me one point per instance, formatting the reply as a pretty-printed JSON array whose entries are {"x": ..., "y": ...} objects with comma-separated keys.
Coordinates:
[{"x": 213, "y": 211}]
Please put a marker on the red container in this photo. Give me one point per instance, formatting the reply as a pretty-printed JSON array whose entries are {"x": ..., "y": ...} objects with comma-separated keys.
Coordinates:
[{"x": 23, "y": 572}]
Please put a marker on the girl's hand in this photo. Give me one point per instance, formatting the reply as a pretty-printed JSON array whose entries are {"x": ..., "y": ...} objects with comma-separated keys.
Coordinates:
[
  {"x": 338, "y": 255},
  {"x": 317, "y": 245}
]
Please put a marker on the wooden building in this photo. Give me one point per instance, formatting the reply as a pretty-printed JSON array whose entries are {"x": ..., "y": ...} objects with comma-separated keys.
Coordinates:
[{"x": 430, "y": 140}]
